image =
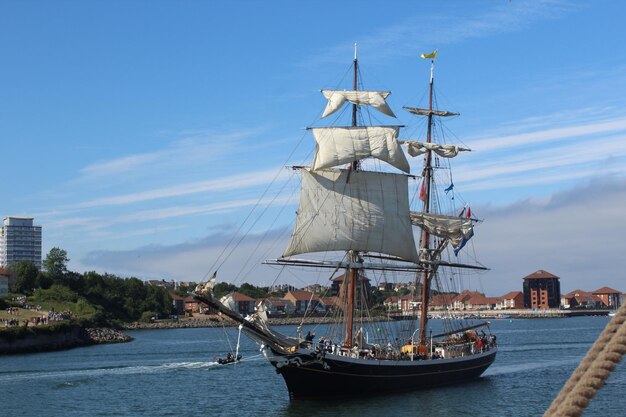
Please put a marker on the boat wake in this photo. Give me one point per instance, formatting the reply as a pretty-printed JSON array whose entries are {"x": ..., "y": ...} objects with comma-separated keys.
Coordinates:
[
  {"x": 526, "y": 367},
  {"x": 104, "y": 371}
]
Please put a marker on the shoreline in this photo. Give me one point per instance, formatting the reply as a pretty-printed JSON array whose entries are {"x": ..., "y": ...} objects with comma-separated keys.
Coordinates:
[{"x": 68, "y": 337}]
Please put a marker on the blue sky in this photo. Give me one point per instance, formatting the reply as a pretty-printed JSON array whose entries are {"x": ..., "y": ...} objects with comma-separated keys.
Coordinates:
[{"x": 141, "y": 134}]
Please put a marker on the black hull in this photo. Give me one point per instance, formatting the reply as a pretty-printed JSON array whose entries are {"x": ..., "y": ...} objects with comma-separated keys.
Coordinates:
[{"x": 313, "y": 377}]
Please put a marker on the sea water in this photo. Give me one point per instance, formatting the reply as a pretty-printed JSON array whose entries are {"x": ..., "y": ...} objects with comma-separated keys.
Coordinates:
[{"x": 175, "y": 373}]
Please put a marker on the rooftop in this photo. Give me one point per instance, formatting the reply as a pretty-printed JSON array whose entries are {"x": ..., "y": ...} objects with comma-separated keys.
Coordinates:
[{"x": 540, "y": 274}]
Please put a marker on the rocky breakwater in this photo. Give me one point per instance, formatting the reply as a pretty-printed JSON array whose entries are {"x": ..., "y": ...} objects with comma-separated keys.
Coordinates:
[
  {"x": 106, "y": 335},
  {"x": 60, "y": 336},
  {"x": 181, "y": 324}
]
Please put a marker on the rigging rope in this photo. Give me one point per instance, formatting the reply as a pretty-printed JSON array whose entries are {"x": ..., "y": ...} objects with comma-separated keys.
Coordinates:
[
  {"x": 593, "y": 371},
  {"x": 238, "y": 340},
  {"x": 230, "y": 347}
]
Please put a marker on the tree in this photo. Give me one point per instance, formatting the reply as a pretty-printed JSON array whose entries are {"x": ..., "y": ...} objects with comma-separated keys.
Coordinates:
[
  {"x": 55, "y": 263},
  {"x": 252, "y": 291},
  {"x": 43, "y": 281},
  {"x": 223, "y": 288},
  {"x": 25, "y": 276}
]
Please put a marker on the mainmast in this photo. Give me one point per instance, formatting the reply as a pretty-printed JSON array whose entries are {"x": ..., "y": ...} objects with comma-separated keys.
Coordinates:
[
  {"x": 425, "y": 244},
  {"x": 351, "y": 275}
]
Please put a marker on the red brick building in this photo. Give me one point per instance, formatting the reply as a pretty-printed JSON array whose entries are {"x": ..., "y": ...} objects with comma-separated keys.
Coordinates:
[{"x": 542, "y": 290}]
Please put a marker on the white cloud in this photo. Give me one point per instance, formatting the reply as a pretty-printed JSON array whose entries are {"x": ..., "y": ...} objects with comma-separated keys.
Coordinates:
[{"x": 576, "y": 234}]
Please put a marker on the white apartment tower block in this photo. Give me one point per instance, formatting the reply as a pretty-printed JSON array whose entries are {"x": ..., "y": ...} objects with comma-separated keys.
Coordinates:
[{"x": 20, "y": 240}]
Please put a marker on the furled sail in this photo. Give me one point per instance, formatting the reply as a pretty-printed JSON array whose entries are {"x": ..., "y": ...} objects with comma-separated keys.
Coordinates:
[
  {"x": 337, "y": 98},
  {"x": 455, "y": 229},
  {"x": 343, "y": 210},
  {"x": 341, "y": 145},
  {"x": 426, "y": 112},
  {"x": 415, "y": 148}
]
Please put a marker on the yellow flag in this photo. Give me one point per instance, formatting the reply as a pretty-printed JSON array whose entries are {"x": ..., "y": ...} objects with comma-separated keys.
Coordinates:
[{"x": 432, "y": 55}]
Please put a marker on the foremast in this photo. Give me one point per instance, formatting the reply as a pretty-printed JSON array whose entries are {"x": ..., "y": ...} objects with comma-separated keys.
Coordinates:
[{"x": 351, "y": 273}]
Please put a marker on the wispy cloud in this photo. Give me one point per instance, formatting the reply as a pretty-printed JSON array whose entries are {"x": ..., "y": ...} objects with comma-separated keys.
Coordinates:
[
  {"x": 573, "y": 150},
  {"x": 550, "y": 135},
  {"x": 420, "y": 32},
  {"x": 249, "y": 179},
  {"x": 189, "y": 147},
  {"x": 101, "y": 227}
]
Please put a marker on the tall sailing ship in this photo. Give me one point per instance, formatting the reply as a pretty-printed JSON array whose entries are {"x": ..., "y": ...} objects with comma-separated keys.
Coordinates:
[{"x": 364, "y": 216}]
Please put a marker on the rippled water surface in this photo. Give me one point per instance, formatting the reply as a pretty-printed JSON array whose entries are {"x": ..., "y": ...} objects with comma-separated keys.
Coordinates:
[{"x": 174, "y": 373}]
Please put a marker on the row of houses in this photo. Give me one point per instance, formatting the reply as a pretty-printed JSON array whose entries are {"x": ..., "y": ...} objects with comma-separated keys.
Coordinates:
[
  {"x": 300, "y": 301},
  {"x": 294, "y": 302},
  {"x": 466, "y": 300},
  {"x": 602, "y": 298}
]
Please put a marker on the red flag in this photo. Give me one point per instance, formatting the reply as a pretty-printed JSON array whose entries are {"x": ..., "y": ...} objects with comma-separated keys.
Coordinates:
[
  {"x": 423, "y": 192},
  {"x": 469, "y": 212}
]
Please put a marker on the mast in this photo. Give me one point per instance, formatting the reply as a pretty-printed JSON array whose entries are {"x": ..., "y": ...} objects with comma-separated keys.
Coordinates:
[
  {"x": 351, "y": 275},
  {"x": 354, "y": 87},
  {"x": 425, "y": 244}
]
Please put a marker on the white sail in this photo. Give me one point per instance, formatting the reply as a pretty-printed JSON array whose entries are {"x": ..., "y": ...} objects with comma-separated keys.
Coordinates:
[
  {"x": 343, "y": 210},
  {"x": 455, "y": 229},
  {"x": 415, "y": 148},
  {"x": 341, "y": 145},
  {"x": 337, "y": 98}
]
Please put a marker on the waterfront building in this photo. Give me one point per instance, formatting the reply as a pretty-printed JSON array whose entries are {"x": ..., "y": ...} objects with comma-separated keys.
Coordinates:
[
  {"x": 303, "y": 301},
  {"x": 408, "y": 303},
  {"x": 511, "y": 300},
  {"x": 275, "y": 305},
  {"x": 610, "y": 297},
  {"x": 392, "y": 303},
  {"x": 191, "y": 305},
  {"x": 473, "y": 300},
  {"x": 442, "y": 301},
  {"x": 542, "y": 290},
  {"x": 243, "y": 304},
  {"x": 20, "y": 240},
  {"x": 331, "y": 304},
  {"x": 581, "y": 299},
  {"x": 178, "y": 303}
]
